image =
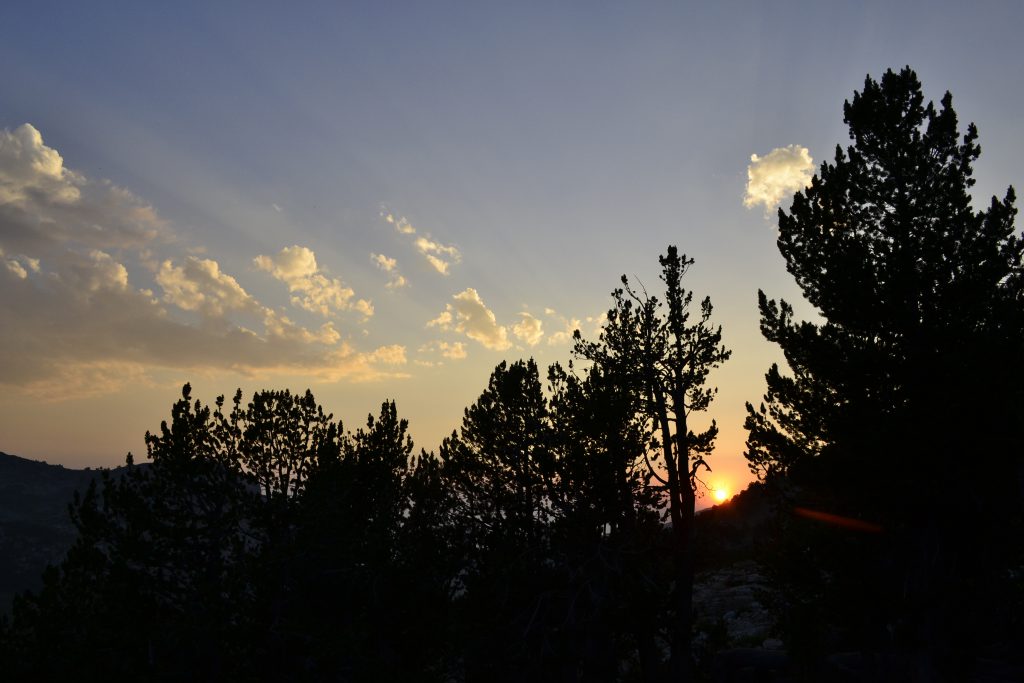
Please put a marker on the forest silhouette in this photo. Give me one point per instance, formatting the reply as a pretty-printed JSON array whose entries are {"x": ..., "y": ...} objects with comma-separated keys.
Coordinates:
[{"x": 553, "y": 536}]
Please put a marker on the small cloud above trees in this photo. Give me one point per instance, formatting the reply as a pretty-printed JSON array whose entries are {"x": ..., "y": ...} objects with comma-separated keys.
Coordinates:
[{"x": 777, "y": 175}]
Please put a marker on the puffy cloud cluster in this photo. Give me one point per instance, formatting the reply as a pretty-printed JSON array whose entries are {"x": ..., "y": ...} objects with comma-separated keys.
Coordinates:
[
  {"x": 200, "y": 285},
  {"x": 75, "y": 321},
  {"x": 470, "y": 316},
  {"x": 777, "y": 175},
  {"x": 312, "y": 290},
  {"x": 440, "y": 256},
  {"x": 389, "y": 266},
  {"x": 529, "y": 330}
]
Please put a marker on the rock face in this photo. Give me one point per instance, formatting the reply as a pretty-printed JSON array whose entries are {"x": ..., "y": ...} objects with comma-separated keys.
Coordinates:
[
  {"x": 735, "y": 629},
  {"x": 35, "y": 528},
  {"x": 734, "y": 597}
]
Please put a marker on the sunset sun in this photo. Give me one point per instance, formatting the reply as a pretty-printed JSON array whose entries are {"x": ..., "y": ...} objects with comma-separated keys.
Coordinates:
[{"x": 721, "y": 494}]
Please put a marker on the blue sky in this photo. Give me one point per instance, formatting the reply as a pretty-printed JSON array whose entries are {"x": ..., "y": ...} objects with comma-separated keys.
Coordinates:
[{"x": 537, "y": 151}]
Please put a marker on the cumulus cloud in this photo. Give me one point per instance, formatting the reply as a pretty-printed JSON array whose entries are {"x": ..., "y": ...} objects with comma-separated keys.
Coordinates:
[
  {"x": 19, "y": 265},
  {"x": 46, "y": 208},
  {"x": 200, "y": 285},
  {"x": 78, "y": 317},
  {"x": 440, "y": 256},
  {"x": 470, "y": 316},
  {"x": 389, "y": 266},
  {"x": 777, "y": 175},
  {"x": 27, "y": 166},
  {"x": 528, "y": 330},
  {"x": 312, "y": 290}
]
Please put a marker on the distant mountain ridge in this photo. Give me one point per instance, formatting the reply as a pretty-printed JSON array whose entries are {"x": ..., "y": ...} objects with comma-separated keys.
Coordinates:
[{"x": 35, "y": 527}]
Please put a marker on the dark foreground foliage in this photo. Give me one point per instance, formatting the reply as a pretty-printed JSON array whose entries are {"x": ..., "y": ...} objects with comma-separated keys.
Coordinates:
[{"x": 263, "y": 541}]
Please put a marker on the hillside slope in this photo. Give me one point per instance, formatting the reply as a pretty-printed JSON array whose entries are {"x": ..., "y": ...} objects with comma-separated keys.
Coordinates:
[{"x": 35, "y": 528}]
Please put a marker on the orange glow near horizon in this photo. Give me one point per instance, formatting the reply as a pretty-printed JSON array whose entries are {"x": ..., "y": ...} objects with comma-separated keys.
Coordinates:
[{"x": 721, "y": 494}]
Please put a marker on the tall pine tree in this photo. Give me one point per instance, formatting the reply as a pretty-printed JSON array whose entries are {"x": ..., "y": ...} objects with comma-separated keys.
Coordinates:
[{"x": 904, "y": 401}]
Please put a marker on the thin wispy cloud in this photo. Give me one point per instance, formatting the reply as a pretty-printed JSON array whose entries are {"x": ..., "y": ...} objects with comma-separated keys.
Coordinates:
[
  {"x": 447, "y": 350},
  {"x": 402, "y": 225},
  {"x": 567, "y": 326},
  {"x": 774, "y": 178},
  {"x": 441, "y": 257},
  {"x": 390, "y": 266}
]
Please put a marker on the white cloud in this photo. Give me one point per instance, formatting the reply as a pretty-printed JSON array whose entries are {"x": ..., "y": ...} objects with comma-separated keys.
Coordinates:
[
  {"x": 102, "y": 272},
  {"x": 390, "y": 266},
  {"x": 444, "y": 320},
  {"x": 436, "y": 254},
  {"x": 528, "y": 330},
  {"x": 200, "y": 285},
  {"x": 777, "y": 175},
  {"x": 293, "y": 264},
  {"x": 79, "y": 330},
  {"x": 282, "y": 327},
  {"x": 470, "y": 316},
  {"x": 447, "y": 350},
  {"x": 16, "y": 268},
  {"x": 46, "y": 208},
  {"x": 73, "y": 381},
  {"x": 386, "y": 264},
  {"x": 564, "y": 336},
  {"x": 313, "y": 290},
  {"x": 382, "y": 362},
  {"x": 19, "y": 265},
  {"x": 567, "y": 326},
  {"x": 453, "y": 351},
  {"x": 402, "y": 225}
]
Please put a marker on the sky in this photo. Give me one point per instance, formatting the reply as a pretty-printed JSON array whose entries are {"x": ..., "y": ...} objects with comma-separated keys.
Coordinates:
[{"x": 385, "y": 200}]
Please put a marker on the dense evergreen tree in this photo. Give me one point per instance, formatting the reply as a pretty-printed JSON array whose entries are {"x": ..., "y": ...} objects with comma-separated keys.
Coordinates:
[
  {"x": 500, "y": 468},
  {"x": 904, "y": 402},
  {"x": 609, "y": 532}
]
